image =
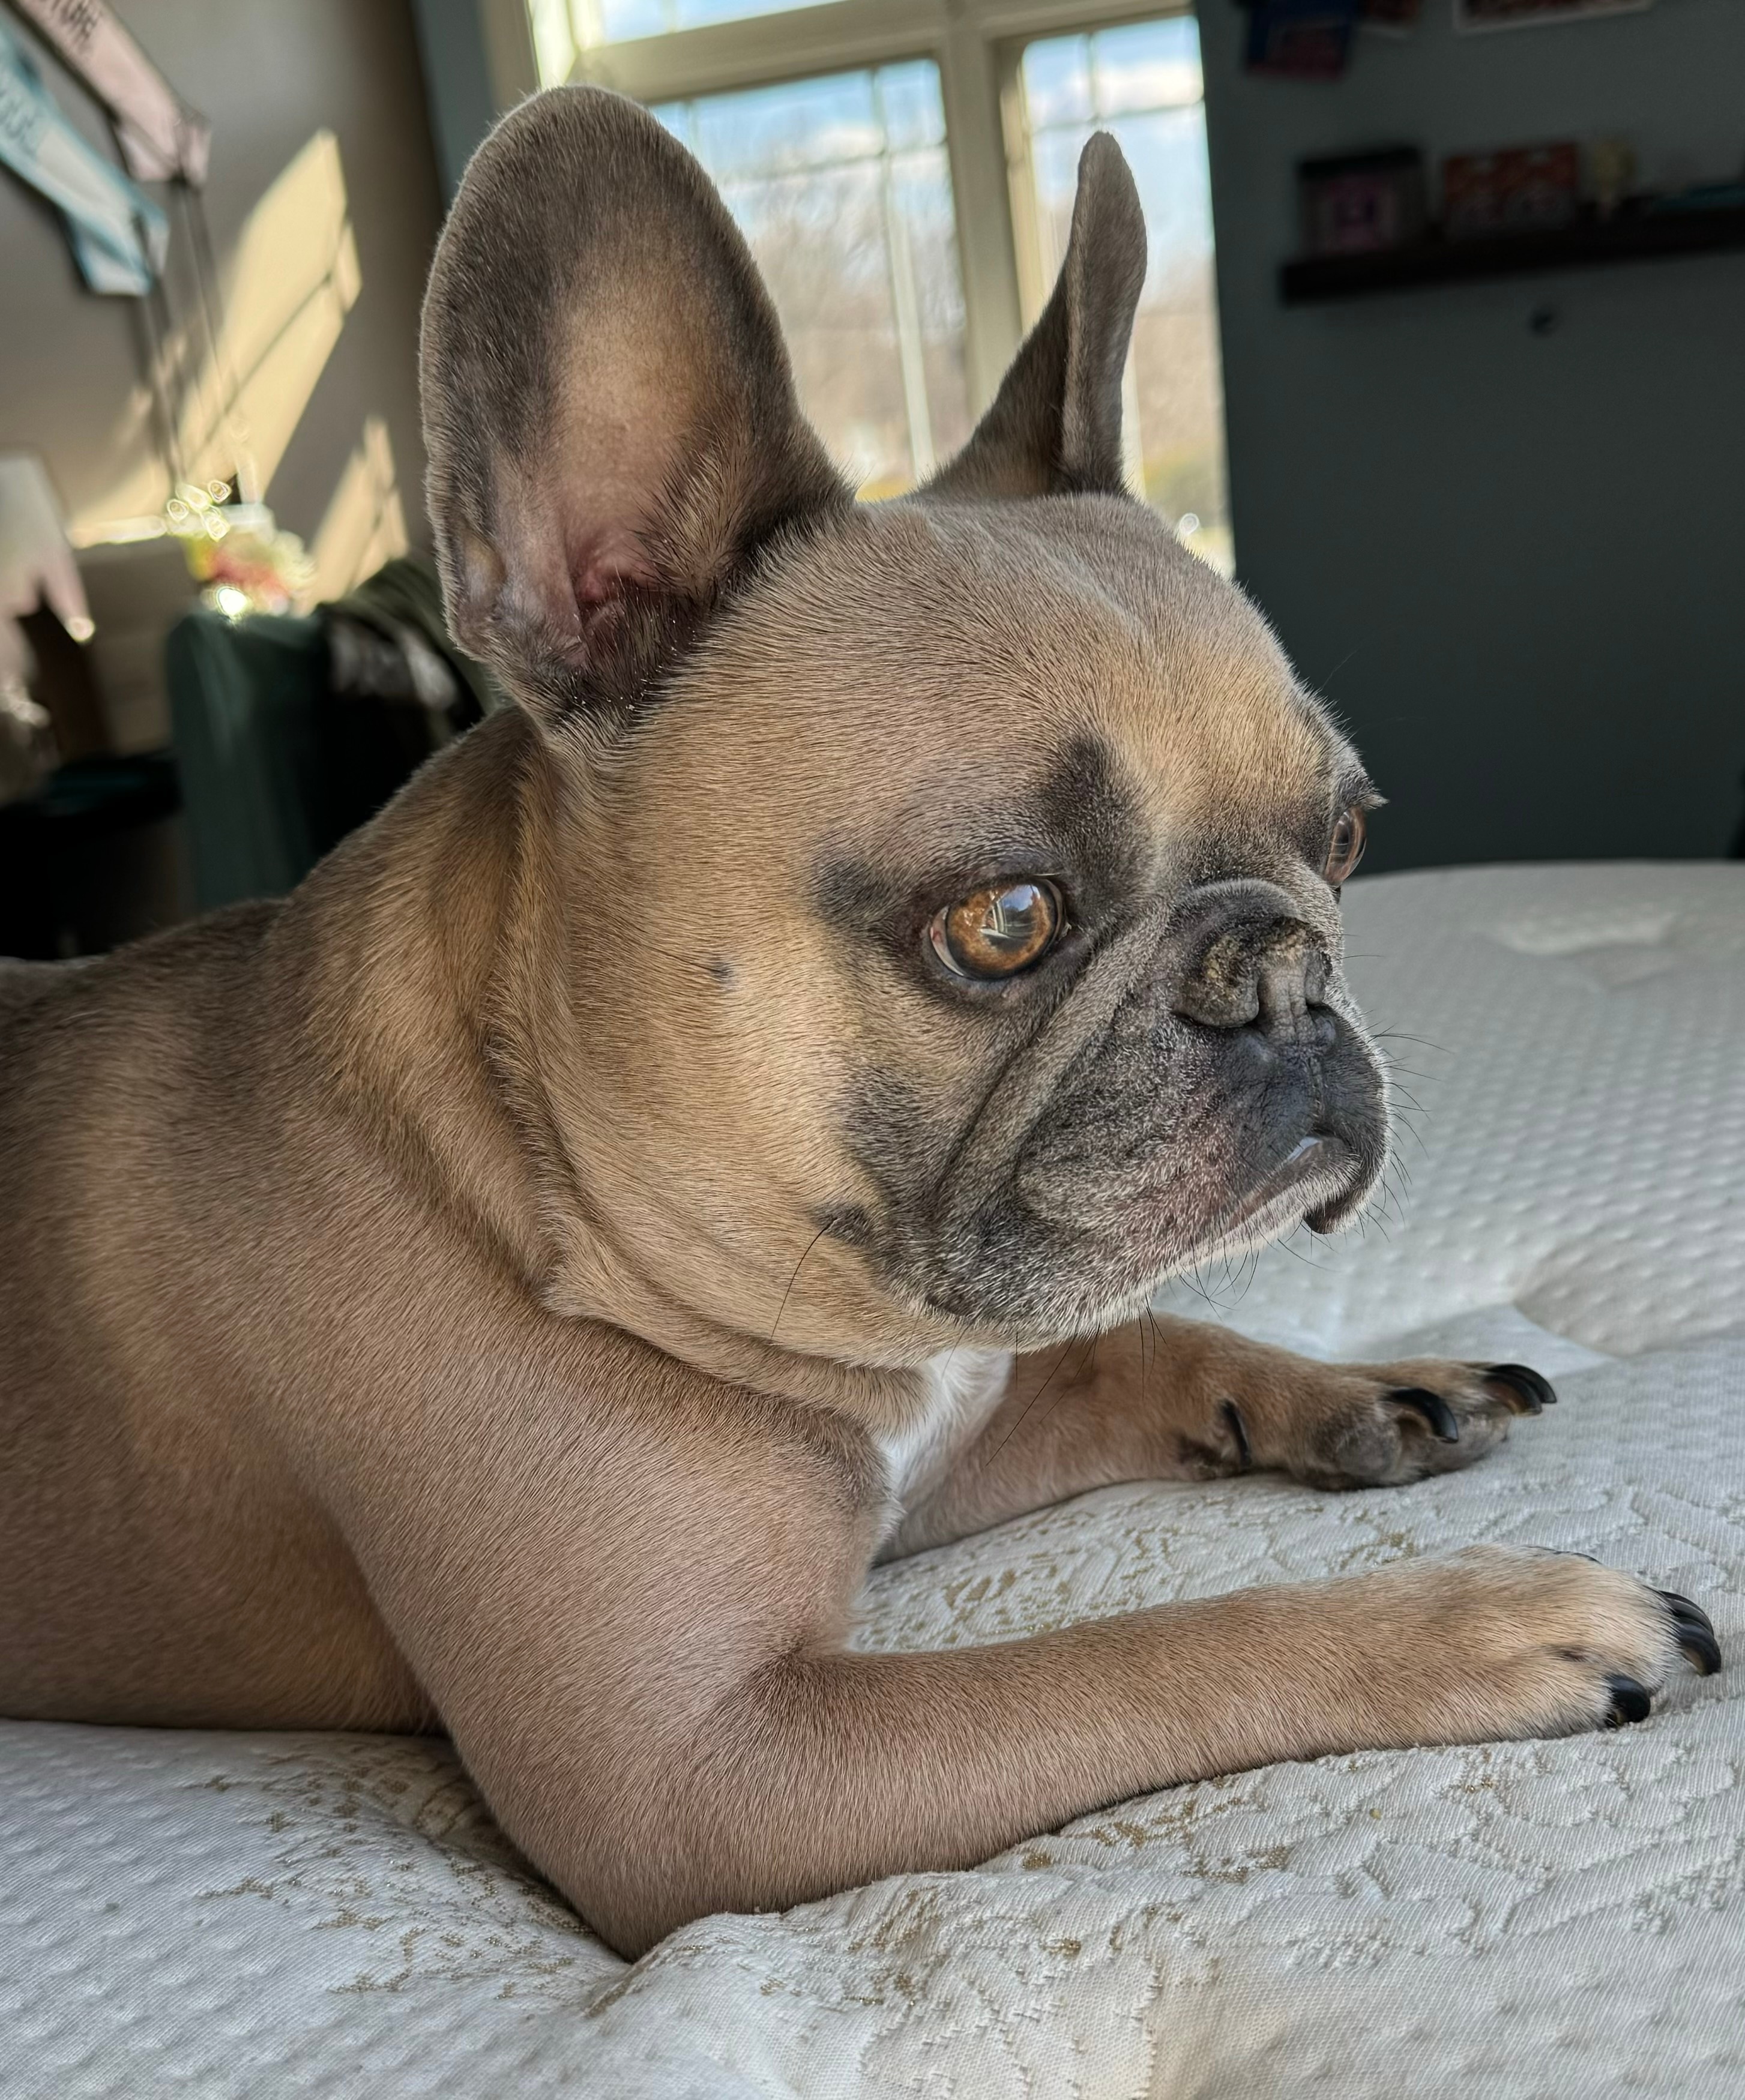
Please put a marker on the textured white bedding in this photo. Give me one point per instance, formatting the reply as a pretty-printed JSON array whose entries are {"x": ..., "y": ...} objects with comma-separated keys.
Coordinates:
[{"x": 256, "y": 1916}]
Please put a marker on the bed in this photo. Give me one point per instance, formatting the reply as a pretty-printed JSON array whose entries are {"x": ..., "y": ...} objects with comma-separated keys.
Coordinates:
[{"x": 264, "y": 1915}]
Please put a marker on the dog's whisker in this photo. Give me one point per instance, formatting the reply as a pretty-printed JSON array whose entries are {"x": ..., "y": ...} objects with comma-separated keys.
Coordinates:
[
  {"x": 795, "y": 1277},
  {"x": 1024, "y": 1415},
  {"x": 1399, "y": 1035}
]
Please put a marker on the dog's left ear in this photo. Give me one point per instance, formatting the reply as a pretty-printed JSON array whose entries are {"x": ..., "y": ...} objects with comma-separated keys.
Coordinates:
[
  {"x": 1055, "y": 425},
  {"x": 608, "y": 407}
]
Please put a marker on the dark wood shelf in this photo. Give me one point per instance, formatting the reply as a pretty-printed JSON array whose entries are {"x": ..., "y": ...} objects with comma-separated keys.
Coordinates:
[{"x": 1638, "y": 237}]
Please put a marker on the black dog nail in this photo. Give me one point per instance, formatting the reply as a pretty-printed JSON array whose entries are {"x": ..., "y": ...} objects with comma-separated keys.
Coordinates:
[
  {"x": 1533, "y": 1391},
  {"x": 1696, "y": 1635},
  {"x": 1436, "y": 1412},
  {"x": 1630, "y": 1701}
]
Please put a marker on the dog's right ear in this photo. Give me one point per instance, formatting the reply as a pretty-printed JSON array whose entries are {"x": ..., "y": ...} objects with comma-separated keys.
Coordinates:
[{"x": 608, "y": 407}]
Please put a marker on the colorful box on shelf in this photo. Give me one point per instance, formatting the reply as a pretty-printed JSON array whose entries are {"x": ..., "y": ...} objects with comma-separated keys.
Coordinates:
[
  {"x": 1362, "y": 204},
  {"x": 1522, "y": 189}
]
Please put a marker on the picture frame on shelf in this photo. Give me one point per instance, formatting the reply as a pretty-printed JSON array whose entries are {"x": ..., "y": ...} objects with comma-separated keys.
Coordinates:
[{"x": 1362, "y": 204}]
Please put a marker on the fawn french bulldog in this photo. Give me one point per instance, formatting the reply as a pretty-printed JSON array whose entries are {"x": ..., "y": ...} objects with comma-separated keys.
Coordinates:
[{"x": 682, "y": 1150}]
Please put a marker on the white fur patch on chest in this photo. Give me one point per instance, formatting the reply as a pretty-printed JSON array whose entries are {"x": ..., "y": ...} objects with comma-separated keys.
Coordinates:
[{"x": 962, "y": 1388}]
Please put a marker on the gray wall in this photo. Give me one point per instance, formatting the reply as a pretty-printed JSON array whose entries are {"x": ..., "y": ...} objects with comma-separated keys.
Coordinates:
[
  {"x": 1512, "y": 559},
  {"x": 463, "y": 106},
  {"x": 269, "y": 74}
]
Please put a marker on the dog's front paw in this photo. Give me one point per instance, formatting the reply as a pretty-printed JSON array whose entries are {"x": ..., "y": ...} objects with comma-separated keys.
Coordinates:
[
  {"x": 1369, "y": 1425},
  {"x": 1500, "y": 1641}
]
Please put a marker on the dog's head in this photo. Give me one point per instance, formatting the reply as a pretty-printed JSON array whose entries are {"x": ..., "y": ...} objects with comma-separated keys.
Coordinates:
[{"x": 947, "y": 887}]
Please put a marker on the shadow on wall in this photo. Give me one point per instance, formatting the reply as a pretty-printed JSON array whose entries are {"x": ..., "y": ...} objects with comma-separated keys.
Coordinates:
[{"x": 292, "y": 280}]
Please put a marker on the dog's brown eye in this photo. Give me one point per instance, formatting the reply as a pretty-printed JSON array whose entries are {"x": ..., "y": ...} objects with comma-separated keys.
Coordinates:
[
  {"x": 1347, "y": 849},
  {"x": 998, "y": 931}
]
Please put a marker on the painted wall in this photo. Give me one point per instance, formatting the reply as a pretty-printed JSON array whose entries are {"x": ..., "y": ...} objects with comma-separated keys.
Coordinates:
[
  {"x": 323, "y": 206},
  {"x": 463, "y": 98},
  {"x": 1502, "y": 526}
]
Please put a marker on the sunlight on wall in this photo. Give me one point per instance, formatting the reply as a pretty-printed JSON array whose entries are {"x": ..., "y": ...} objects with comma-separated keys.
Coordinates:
[
  {"x": 294, "y": 279},
  {"x": 365, "y": 525},
  {"x": 291, "y": 281}
]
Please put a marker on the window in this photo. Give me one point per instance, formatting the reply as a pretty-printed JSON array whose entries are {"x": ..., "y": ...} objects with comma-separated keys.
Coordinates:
[
  {"x": 904, "y": 170},
  {"x": 841, "y": 188}
]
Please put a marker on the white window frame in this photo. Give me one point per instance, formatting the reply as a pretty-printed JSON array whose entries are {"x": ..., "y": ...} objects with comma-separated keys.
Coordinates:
[{"x": 977, "y": 45}]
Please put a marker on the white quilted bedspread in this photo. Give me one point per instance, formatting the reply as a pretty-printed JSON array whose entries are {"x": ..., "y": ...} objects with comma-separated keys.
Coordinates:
[{"x": 251, "y": 1916}]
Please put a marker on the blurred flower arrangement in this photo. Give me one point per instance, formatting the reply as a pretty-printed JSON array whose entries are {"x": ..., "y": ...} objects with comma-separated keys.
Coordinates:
[{"x": 236, "y": 551}]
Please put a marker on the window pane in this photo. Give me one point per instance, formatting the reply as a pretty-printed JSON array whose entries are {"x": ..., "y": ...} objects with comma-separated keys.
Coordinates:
[
  {"x": 1153, "y": 65},
  {"x": 1143, "y": 84},
  {"x": 770, "y": 131},
  {"x": 842, "y": 188},
  {"x": 1057, "y": 82},
  {"x": 609, "y": 21}
]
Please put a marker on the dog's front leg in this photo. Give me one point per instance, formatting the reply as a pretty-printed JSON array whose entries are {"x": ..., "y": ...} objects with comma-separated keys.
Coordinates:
[
  {"x": 626, "y": 1587},
  {"x": 1168, "y": 1399}
]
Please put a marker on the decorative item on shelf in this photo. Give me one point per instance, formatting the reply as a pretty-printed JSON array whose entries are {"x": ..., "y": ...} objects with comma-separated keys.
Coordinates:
[
  {"x": 237, "y": 552},
  {"x": 1362, "y": 204},
  {"x": 1475, "y": 15},
  {"x": 1300, "y": 39},
  {"x": 1522, "y": 189},
  {"x": 1611, "y": 172}
]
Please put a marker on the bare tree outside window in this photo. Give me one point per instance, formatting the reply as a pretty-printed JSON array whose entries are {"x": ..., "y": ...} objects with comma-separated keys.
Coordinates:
[{"x": 842, "y": 188}]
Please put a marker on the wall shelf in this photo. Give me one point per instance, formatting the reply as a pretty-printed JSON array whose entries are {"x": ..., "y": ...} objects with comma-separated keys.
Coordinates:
[{"x": 1638, "y": 237}]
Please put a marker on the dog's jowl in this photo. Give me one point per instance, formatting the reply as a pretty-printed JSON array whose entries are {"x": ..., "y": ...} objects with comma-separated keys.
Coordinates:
[{"x": 517, "y": 1284}]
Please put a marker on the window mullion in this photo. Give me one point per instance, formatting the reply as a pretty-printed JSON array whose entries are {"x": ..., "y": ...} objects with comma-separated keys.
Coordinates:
[
  {"x": 975, "y": 145},
  {"x": 1034, "y": 274},
  {"x": 905, "y": 306}
]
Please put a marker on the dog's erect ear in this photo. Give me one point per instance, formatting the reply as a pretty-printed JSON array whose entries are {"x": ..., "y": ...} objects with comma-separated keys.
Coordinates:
[
  {"x": 608, "y": 407},
  {"x": 1055, "y": 425}
]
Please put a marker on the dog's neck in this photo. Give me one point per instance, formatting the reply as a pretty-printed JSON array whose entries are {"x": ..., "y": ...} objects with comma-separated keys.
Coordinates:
[{"x": 442, "y": 1001}]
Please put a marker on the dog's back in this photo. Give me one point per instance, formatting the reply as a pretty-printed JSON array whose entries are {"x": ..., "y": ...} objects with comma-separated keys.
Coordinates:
[{"x": 22, "y": 985}]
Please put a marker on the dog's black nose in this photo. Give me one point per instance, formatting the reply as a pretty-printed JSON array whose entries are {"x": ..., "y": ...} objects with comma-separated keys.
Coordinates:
[{"x": 1250, "y": 961}]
